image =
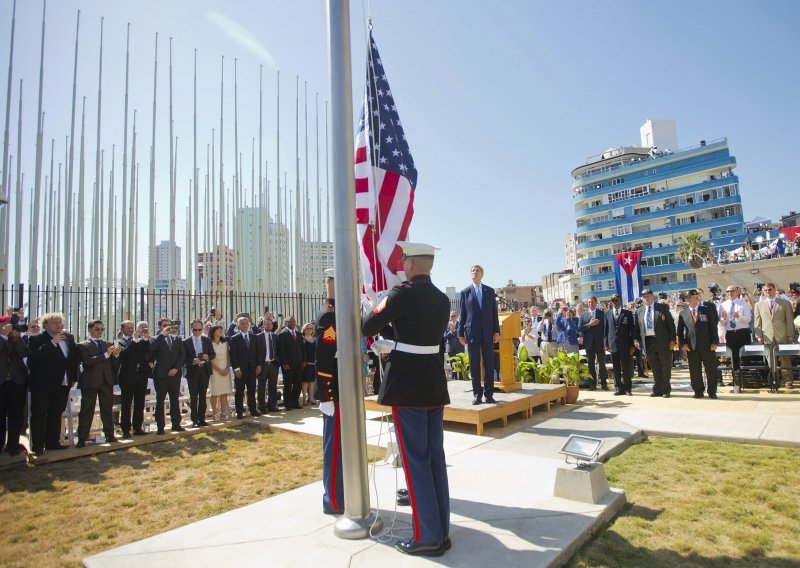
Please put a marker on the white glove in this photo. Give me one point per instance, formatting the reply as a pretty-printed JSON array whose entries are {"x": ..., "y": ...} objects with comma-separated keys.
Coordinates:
[
  {"x": 327, "y": 408},
  {"x": 382, "y": 346}
]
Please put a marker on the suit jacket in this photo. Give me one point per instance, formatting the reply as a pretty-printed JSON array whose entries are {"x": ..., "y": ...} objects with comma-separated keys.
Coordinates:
[
  {"x": 478, "y": 323},
  {"x": 133, "y": 361},
  {"x": 12, "y": 353},
  {"x": 663, "y": 325},
  {"x": 243, "y": 356},
  {"x": 776, "y": 326},
  {"x": 48, "y": 364},
  {"x": 261, "y": 340},
  {"x": 594, "y": 335},
  {"x": 167, "y": 358},
  {"x": 97, "y": 368},
  {"x": 189, "y": 351},
  {"x": 620, "y": 333},
  {"x": 699, "y": 335},
  {"x": 291, "y": 350}
]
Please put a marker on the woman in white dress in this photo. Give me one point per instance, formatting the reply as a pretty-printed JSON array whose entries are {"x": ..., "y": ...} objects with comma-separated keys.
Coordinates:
[
  {"x": 529, "y": 340},
  {"x": 220, "y": 381}
]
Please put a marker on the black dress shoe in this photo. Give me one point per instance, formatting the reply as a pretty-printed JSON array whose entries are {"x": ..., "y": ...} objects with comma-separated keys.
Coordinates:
[
  {"x": 592, "y": 387},
  {"x": 698, "y": 396},
  {"x": 272, "y": 409},
  {"x": 56, "y": 447},
  {"x": 160, "y": 432},
  {"x": 178, "y": 428},
  {"x": 239, "y": 416},
  {"x": 666, "y": 395},
  {"x": 255, "y": 413},
  {"x": 446, "y": 543},
  {"x": 417, "y": 549},
  {"x": 195, "y": 425},
  {"x": 126, "y": 436},
  {"x": 476, "y": 401},
  {"x": 712, "y": 396},
  {"x": 653, "y": 394},
  {"x": 111, "y": 439},
  {"x": 80, "y": 444},
  {"x": 618, "y": 393},
  {"x": 262, "y": 409},
  {"x": 604, "y": 387},
  {"x": 202, "y": 423},
  {"x": 490, "y": 399},
  {"x": 140, "y": 433}
]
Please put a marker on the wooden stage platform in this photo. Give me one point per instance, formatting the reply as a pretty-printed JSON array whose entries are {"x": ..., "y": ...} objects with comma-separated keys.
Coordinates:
[{"x": 521, "y": 402}]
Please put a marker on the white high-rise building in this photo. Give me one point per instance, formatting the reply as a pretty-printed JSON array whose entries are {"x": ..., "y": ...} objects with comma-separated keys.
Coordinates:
[
  {"x": 571, "y": 252},
  {"x": 162, "y": 254},
  {"x": 263, "y": 254}
]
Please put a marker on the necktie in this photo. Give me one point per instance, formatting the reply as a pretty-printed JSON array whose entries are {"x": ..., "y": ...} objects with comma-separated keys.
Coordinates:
[
  {"x": 771, "y": 305},
  {"x": 479, "y": 296},
  {"x": 97, "y": 342},
  {"x": 269, "y": 346},
  {"x": 649, "y": 318},
  {"x": 616, "y": 315},
  {"x": 549, "y": 331},
  {"x": 694, "y": 314},
  {"x": 246, "y": 339}
]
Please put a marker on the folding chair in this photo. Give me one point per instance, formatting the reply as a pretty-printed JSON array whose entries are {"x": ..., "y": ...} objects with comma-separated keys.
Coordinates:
[
  {"x": 793, "y": 353},
  {"x": 726, "y": 367},
  {"x": 754, "y": 369}
]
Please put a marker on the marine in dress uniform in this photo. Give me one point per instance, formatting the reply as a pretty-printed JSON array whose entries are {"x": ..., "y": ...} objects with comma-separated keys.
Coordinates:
[
  {"x": 415, "y": 387},
  {"x": 327, "y": 392}
]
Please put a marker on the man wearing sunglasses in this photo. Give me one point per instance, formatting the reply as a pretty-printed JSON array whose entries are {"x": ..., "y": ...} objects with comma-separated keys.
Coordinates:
[
  {"x": 99, "y": 359},
  {"x": 199, "y": 353},
  {"x": 736, "y": 315}
]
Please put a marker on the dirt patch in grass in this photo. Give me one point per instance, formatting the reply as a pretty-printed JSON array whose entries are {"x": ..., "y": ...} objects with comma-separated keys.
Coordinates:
[
  {"x": 699, "y": 503},
  {"x": 56, "y": 514}
]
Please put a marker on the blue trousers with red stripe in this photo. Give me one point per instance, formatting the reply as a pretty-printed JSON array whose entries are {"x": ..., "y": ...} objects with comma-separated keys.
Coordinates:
[
  {"x": 333, "y": 497},
  {"x": 420, "y": 436}
]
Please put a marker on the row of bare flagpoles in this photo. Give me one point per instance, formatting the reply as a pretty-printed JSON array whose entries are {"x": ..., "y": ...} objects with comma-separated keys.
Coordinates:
[{"x": 233, "y": 239}]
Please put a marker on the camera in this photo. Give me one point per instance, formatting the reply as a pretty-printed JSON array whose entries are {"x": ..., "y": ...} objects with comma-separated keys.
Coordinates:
[
  {"x": 714, "y": 288},
  {"x": 758, "y": 285}
]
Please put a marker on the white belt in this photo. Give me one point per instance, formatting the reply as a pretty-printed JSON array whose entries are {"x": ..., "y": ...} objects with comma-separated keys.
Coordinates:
[{"x": 416, "y": 349}]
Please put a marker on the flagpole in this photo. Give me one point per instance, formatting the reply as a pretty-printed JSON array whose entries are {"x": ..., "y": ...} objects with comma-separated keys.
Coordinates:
[
  {"x": 262, "y": 251},
  {"x": 124, "y": 226},
  {"x": 190, "y": 266},
  {"x": 33, "y": 275},
  {"x": 5, "y": 211},
  {"x": 278, "y": 221},
  {"x": 18, "y": 219},
  {"x": 97, "y": 206},
  {"x": 319, "y": 206},
  {"x": 296, "y": 232},
  {"x": 70, "y": 166},
  {"x": 172, "y": 153},
  {"x": 133, "y": 207},
  {"x": 151, "y": 276},
  {"x": 358, "y": 521},
  {"x": 80, "y": 238}
]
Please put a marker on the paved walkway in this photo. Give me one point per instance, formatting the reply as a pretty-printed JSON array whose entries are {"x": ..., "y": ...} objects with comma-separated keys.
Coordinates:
[{"x": 503, "y": 511}]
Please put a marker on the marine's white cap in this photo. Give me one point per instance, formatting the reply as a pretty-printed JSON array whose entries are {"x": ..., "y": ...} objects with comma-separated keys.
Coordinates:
[
  {"x": 417, "y": 249},
  {"x": 329, "y": 273}
]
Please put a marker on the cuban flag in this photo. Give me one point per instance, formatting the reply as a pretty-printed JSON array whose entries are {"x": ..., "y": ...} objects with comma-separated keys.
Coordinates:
[{"x": 628, "y": 275}]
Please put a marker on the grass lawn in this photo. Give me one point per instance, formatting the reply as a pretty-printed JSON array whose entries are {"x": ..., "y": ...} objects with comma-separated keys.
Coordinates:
[
  {"x": 56, "y": 514},
  {"x": 698, "y": 503}
]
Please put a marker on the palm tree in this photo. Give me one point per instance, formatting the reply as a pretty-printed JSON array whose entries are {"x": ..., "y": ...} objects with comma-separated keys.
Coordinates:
[{"x": 693, "y": 250}]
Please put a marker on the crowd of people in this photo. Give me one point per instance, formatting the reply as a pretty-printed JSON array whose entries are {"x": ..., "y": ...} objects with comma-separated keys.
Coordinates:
[
  {"x": 242, "y": 359},
  {"x": 659, "y": 333}
]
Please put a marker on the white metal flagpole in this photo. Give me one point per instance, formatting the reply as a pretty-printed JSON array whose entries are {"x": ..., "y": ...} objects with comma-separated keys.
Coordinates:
[{"x": 358, "y": 520}]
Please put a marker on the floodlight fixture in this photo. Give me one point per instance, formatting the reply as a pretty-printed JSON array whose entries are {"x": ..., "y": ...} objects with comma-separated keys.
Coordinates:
[{"x": 583, "y": 448}]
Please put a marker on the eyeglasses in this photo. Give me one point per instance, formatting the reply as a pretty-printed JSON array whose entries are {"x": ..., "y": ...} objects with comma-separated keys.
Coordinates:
[
  {"x": 731, "y": 291},
  {"x": 197, "y": 329},
  {"x": 99, "y": 329}
]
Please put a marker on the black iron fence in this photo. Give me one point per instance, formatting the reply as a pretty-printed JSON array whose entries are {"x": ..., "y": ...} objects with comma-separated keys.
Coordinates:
[{"x": 81, "y": 305}]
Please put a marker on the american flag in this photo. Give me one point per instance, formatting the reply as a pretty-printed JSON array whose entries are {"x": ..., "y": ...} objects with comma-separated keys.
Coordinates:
[{"x": 385, "y": 181}]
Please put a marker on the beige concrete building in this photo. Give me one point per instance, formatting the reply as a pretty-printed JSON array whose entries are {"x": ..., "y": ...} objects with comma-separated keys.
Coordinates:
[
  {"x": 521, "y": 295},
  {"x": 781, "y": 271}
]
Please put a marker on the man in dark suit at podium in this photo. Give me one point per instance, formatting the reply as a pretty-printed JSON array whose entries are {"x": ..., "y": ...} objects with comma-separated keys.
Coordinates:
[{"x": 479, "y": 330}]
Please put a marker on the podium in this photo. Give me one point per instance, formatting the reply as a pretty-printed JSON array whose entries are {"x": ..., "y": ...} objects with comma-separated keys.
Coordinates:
[{"x": 510, "y": 326}]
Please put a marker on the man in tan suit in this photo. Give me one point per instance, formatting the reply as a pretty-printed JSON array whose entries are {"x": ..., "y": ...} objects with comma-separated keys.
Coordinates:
[{"x": 774, "y": 325}]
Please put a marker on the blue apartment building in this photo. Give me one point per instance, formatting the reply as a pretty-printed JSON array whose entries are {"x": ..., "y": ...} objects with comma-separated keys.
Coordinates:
[{"x": 647, "y": 197}]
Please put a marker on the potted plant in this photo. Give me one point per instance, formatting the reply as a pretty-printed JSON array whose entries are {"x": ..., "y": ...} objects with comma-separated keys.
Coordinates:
[
  {"x": 567, "y": 367},
  {"x": 526, "y": 367},
  {"x": 693, "y": 250},
  {"x": 459, "y": 365}
]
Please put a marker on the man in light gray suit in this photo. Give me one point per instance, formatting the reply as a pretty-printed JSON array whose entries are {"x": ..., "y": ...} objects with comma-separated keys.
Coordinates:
[{"x": 774, "y": 326}]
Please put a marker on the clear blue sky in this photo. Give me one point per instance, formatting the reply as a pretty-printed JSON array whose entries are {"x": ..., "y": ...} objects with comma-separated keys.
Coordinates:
[{"x": 500, "y": 101}]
